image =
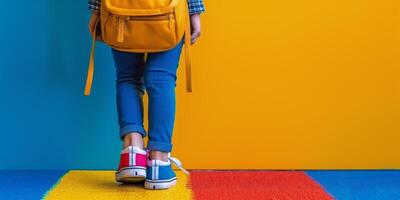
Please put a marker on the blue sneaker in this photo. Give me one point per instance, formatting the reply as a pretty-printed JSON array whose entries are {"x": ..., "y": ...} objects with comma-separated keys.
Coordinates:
[{"x": 159, "y": 174}]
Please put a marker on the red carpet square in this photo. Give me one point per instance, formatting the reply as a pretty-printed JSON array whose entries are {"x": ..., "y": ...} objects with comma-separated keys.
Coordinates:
[{"x": 274, "y": 185}]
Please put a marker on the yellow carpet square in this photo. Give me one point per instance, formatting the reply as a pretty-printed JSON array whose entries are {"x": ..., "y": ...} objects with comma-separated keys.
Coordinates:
[{"x": 83, "y": 184}]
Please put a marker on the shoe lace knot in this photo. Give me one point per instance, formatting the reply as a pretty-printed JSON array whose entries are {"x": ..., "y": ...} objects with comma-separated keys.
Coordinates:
[{"x": 177, "y": 163}]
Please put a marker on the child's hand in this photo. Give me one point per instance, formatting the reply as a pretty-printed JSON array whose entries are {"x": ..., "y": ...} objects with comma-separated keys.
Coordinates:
[
  {"x": 92, "y": 23},
  {"x": 195, "y": 25}
]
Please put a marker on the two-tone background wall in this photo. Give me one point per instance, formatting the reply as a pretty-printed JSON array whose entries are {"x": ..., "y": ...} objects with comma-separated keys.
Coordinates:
[{"x": 277, "y": 85}]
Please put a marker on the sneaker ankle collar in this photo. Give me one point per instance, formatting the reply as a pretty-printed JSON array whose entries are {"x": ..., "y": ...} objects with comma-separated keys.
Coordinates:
[
  {"x": 155, "y": 162},
  {"x": 132, "y": 148}
]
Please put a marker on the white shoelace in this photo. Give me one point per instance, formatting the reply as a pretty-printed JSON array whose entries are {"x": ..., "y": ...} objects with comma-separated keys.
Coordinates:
[{"x": 177, "y": 163}]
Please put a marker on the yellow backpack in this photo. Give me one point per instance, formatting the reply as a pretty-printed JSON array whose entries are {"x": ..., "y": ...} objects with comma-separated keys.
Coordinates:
[{"x": 143, "y": 26}]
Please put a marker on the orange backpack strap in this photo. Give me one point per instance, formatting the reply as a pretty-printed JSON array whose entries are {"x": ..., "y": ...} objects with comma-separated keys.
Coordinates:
[
  {"x": 90, "y": 72},
  {"x": 187, "y": 54}
]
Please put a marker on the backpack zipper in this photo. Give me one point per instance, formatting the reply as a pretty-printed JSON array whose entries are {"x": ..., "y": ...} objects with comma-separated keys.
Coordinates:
[
  {"x": 165, "y": 16},
  {"x": 121, "y": 28}
]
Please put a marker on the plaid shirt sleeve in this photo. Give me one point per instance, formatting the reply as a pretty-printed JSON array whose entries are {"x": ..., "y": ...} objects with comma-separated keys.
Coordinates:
[
  {"x": 195, "y": 6},
  {"x": 94, "y": 5}
]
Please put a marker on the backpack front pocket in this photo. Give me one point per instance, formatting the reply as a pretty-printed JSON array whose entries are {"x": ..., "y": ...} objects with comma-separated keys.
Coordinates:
[{"x": 141, "y": 33}]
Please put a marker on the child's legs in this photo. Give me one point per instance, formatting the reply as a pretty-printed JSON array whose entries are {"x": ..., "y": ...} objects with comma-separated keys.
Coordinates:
[
  {"x": 129, "y": 91},
  {"x": 160, "y": 81}
]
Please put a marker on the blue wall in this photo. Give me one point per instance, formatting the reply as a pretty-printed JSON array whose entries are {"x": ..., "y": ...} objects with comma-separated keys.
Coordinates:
[{"x": 45, "y": 121}]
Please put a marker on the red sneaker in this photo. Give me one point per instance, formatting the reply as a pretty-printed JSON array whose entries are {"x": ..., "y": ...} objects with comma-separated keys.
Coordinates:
[{"x": 132, "y": 165}]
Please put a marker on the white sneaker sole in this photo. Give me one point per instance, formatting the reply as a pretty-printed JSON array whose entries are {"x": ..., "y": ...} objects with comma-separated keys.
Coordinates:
[
  {"x": 159, "y": 184},
  {"x": 133, "y": 174}
]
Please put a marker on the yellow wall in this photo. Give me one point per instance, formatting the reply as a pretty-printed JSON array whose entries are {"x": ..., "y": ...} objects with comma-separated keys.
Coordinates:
[{"x": 293, "y": 84}]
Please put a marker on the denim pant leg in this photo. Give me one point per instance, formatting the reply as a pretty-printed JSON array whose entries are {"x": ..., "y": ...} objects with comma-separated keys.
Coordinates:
[
  {"x": 129, "y": 91},
  {"x": 160, "y": 81}
]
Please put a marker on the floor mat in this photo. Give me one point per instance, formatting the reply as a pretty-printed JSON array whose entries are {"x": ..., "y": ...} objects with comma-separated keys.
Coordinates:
[
  {"x": 360, "y": 184},
  {"x": 274, "y": 185},
  {"x": 99, "y": 185},
  {"x": 237, "y": 184},
  {"x": 27, "y": 184}
]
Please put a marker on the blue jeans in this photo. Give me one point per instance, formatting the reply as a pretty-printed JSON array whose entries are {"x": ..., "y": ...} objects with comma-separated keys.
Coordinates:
[{"x": 157, "y": 76}]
